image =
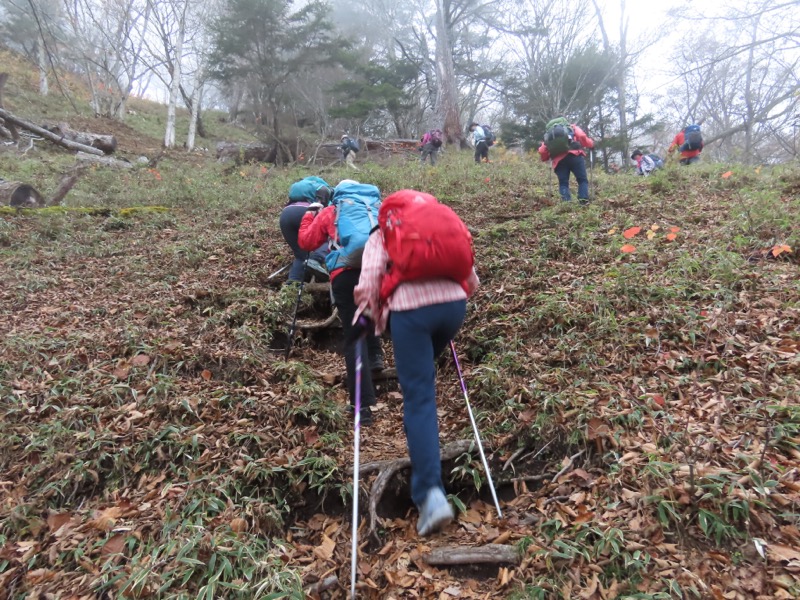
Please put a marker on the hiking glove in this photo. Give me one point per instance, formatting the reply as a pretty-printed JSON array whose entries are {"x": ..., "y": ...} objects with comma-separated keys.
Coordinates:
[{"x": 315, "y": 206}]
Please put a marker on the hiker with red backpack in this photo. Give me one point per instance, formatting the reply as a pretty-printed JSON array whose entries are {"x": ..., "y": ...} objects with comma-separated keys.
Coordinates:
[
  {"x": 563, "y": 146},
  {"x": 417, "y": 273},
  {"x": 689, "y": 142},
  {"x": 346, "y": 224},
  {"x": 430, "y": 144}
]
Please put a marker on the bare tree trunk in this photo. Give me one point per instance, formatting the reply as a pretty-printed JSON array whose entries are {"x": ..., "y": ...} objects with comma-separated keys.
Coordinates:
[
  {"x": 169, "y": 134},
  {"x": 7, "y": 129},
  {"x": 748, "y": 98},
  {"x": 622, "y": 71},
  {"x": 197, "y": 96},
  {"x": 41, "y": 56},
  {"x": 447, "y": 110}
]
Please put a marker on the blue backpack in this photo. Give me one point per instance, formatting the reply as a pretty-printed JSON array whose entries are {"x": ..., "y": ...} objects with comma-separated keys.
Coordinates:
[
  {"x": 357, "y": 206},
  {"x": 306, "y": 189},
  {"x": 692, "y": 138}
]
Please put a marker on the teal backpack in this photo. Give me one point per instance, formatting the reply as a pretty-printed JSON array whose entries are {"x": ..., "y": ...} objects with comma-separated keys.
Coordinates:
[
  {"x": 306, "y": 189},
  {"x": 357, "y": 206}
]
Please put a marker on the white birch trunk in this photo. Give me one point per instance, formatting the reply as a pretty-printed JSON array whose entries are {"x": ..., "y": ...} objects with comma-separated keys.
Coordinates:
[
  {"x": 197, "y": 98},
  {"x": 42, "y": 60},
  {"x": 169, "y": 134}
]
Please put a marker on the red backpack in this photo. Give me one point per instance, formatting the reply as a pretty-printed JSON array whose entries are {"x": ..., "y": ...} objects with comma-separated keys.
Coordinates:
[{"x": 424, "y": 239}]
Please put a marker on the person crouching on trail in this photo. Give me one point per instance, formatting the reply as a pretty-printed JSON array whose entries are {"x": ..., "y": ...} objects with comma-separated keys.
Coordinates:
[
  {"x": 689, "y": 142},
  {"x": 646, "y": 163},
  {"x": 430, "y": 144},
  {"x": 301, "y": 194},
  {"x": 424, "y": 297},
  {"x": 349, "y": 218},
  {"x": 563, "y": 145}
]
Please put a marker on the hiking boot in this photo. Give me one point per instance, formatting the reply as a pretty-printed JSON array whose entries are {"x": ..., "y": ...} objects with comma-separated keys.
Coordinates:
[
  {"x": 377, "y": 365},
  {"x": 435, "y": 513},
  {"x": 366, "y": 415},
  {"x": 583, "y": 201},
  {"x": 317, "y": 269}
]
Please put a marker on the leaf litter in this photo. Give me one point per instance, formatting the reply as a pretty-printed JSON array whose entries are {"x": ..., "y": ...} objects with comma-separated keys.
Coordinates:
[{"x": 648, "y": 418}]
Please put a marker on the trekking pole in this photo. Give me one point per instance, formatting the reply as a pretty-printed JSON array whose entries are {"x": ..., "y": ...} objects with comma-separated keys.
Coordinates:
[
  {"x": 296, "y": 307},
  {"x": 550, "y": 179},
  {"x": 356, "y": 450},
  {"x": 475, "y": 429},
  {"x": 279, "y": 271}
]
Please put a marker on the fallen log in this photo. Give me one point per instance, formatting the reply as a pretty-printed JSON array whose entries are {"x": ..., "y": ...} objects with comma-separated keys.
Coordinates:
[
  {"x": 20, "y": 195},
  {"x": 106, "y": 161},
  {"x": 459, "y": 555},
  {"x": 105, "y": 142},
  {"x": 48, "y": 135}
]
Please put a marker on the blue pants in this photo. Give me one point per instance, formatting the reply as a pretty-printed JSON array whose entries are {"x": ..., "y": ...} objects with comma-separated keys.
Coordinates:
[
  {"x": 419, "y": 336},
  {"x": 576, "y": 164},
  {"x": 290, "y": 228}
]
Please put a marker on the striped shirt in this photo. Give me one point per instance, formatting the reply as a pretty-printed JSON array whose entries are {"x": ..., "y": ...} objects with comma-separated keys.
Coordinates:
[{"x": 408, "y": 295}]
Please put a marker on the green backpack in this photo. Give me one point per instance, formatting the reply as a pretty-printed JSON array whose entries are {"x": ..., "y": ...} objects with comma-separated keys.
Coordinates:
[{"x": 558, "y": 136}]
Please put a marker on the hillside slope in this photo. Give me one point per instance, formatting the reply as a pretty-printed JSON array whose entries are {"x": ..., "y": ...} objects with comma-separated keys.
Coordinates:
[{"x": 634, "y": 365}]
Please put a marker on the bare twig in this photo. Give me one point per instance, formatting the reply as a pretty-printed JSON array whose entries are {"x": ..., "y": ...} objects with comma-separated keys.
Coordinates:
[{"x": 569, "y": 464}]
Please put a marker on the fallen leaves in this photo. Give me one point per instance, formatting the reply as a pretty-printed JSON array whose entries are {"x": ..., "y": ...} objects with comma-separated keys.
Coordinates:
[
  {"x": 631, "y": 232},
  {"x": 779, "y": 249},
  {"x": 628, "y": 248}
]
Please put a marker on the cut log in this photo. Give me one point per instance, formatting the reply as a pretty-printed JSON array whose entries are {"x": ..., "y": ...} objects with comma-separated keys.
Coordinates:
[
  {"x": 105, "y": 142},
  {"x": 459, "y": 555},
  {"x": 103, "y": 160},
  {"x": 246, "y": 153},
  {"x": 10, "y": 119},
  {"x": 20, "y": 195}
]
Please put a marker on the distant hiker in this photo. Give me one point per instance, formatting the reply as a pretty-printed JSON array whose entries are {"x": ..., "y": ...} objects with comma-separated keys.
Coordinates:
[
  {"x": 481, "y": 141},
  {"x": 563, "y": 145},
  {"x": 689, "y": 142},
  {"x": 301, "y": 194},
  {"x": 646, "y": 163},
  {"x": 424, "y": 296},
  {"x": 349, "y": 148},
  {"x": 431, "y": 142},
  {"x": 346, "y": 224}
]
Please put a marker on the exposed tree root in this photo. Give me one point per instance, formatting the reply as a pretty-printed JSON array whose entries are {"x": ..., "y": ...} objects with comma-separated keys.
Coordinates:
[
  {"x": 387, "y": 469},
  {"x": 313, "y": 591},
  {"x": 308, "y": 325},
  {"x": 459, "y": 555}
]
